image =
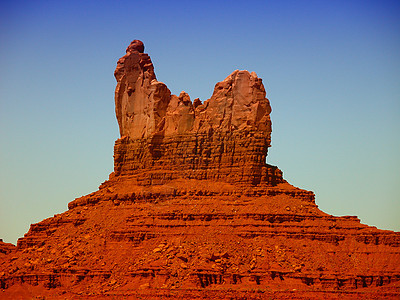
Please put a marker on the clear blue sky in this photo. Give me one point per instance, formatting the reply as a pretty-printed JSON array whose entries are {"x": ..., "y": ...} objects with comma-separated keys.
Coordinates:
[{"x": 331, "y": 70}]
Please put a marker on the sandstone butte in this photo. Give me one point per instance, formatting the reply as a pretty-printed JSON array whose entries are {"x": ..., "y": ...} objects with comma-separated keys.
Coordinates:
[{"x": 192, "y": 211}]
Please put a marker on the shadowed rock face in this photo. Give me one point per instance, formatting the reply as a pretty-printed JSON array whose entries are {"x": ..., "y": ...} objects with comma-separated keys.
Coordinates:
[
  {"x": 192, "y": 211},
  {"x": 225, "y": 138}
]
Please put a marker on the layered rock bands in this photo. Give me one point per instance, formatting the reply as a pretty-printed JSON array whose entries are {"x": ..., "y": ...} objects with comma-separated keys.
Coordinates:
[
  {"x": 192, "y": 211},
  {"x": 166, "y": 137}
]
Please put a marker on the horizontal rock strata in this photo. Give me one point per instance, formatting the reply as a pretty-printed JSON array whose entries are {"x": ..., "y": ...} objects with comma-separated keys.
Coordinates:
[
  {"x": 166, "y": 137},
  {"x": 215, "y": 243},
  {"x": 234, "y": 158}
]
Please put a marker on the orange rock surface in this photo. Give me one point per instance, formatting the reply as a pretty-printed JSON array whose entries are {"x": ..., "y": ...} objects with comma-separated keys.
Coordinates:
[{"x": 192, "y": 211}]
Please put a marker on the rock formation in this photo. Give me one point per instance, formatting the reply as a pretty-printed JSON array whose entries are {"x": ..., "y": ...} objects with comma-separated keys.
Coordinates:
[
  {"x": 192, "y": 210},
  {"x": 166, "y": 137}
]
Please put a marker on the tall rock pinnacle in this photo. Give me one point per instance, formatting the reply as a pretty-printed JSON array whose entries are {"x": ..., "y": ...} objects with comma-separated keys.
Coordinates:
[
  {"x": 138, "y": 95},
  {"x": 145, "y": 106},
  {"x": 230, "y": 131}
]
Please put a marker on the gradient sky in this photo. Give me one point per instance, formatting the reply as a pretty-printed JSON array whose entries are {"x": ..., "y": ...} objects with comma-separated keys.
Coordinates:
[{"x": 331, "y": 70}]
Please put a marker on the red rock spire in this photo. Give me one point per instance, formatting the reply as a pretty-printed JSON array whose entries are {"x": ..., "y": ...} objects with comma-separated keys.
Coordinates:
[{"x": 230, "y": 131}]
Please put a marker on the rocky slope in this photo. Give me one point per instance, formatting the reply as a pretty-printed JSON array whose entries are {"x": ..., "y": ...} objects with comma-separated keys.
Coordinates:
[
  {"x": 6, "y": 248},
  {"x": 192, "y": 211}
]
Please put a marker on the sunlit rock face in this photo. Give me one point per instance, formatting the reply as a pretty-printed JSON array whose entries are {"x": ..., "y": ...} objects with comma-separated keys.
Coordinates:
[{"x": 225, "y": 138}]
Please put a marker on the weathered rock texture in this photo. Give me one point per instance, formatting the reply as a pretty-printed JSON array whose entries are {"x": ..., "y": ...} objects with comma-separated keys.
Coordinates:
[
  {"x": 166, "y": 137},
  {"x": 192, "y": 211},
  {"x": 145, "y": 106},
  {"x": 6, "y": 248}
]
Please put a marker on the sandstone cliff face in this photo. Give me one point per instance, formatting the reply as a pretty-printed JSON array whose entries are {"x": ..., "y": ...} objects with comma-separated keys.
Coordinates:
[
  {"x": 166, "y": 137},
  {"x": 192, "y": 211},
  {"x": 145, "y": 106}
]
